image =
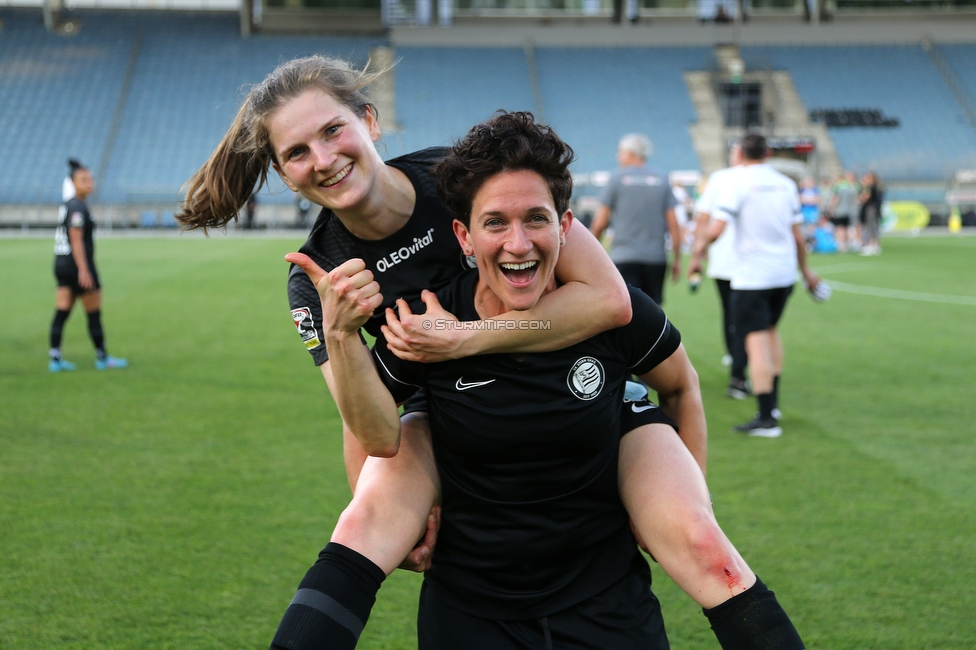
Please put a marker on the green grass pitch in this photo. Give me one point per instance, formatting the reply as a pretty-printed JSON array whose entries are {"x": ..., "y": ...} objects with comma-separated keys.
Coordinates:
[{"x": 177, "y": 503}]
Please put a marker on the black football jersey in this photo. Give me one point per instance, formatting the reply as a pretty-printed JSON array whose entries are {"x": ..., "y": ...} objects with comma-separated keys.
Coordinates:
[
  {"x": 526, "y": 448},
  {"x": 424, "y": 254},
  {"x": 74, "y": 214}
]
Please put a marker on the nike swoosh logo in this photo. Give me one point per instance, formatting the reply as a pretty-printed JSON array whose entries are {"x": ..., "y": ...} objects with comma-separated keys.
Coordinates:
[
  {"x": 641, "y": 408},
  {"x": 460, "y": 385}
]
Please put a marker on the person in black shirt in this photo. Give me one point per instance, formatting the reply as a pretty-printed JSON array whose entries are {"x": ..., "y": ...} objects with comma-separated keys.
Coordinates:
[
  {"x": 74, "y": 269},
  {"x": 870, "y": 215},
  {"x": 535, "y": 550},
  {"x": 311, "y": 122}
]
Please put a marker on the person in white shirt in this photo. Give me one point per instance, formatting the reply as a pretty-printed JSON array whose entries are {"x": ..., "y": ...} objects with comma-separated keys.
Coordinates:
[
  {"x": 764, "y": 205},
  {"x": 721, "y": 261}
]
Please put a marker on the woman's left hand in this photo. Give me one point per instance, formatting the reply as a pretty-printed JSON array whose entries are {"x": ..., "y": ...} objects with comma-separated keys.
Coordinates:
[{"x": 435, "y": 335}]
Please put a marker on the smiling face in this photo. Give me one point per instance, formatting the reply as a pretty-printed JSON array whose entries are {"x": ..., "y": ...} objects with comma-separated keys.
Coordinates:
[
  {"x": 324, "y": 150},
  {"x": 515, "y": 234}
]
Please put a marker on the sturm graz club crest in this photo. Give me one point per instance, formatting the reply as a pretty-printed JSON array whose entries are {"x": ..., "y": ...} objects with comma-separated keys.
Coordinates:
[{"x": 586, "y": 378}]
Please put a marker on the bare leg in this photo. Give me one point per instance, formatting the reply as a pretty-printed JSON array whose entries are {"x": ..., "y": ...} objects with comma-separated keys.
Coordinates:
[
  {"x": 775, "y": 352},
  {"x": 92, "y": 300},
  {"x": 665, "y": 494},
  {"x": 840, "y": 235},
  {"x": 761, "y": 361},
  {"x": 393, "y": 499},
  {"x": 353, "y": 455},
  {"x": 64, "y": 299}
]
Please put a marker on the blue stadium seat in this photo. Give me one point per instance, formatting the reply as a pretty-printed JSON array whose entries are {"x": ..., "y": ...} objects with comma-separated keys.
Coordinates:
[
  {"x": 933, "y": 138},
  {"x": 67, "y": 96}
]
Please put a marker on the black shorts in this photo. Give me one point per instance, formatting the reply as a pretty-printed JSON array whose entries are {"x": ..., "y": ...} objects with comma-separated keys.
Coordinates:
[
  {"x": 649, "y": 278},
  {"x": 416, "y": 403},
  {"x": 66, "y": 273},
  {"x": 841, "y": 222},
  {"x": 759, "y": 309},
  {"x": 625, "y": 616},
  {"x": 637, "y": 414}
]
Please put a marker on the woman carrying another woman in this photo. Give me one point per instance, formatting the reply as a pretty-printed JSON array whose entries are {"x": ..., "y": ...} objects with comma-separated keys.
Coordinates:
[
  {"x": 311, "y": 121},
  {"x": 535, "y": 549}
]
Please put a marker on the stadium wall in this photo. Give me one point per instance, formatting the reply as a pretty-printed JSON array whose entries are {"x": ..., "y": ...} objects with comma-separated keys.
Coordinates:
[{"x": 159, "y": 88}]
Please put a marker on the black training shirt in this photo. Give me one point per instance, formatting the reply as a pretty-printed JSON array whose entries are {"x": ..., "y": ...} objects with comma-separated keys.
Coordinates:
[
  {"x": 74, "y": 214},
  {"x": 526, "y": 449},
  {"x": 424, "y": 254}
]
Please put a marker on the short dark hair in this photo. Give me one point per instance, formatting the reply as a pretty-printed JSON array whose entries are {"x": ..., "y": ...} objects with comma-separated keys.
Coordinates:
[
  {"x": 754, "y": 146},
  {"x": 506, "y": 142}
]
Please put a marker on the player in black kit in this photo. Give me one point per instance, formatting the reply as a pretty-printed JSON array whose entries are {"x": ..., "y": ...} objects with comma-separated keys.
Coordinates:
[
  {"x": 535, "y": 550},
  {"x": 74, "y": 269}
]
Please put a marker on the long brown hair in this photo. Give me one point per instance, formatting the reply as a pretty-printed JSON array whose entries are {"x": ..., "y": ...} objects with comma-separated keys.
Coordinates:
[{"x": 238, "y": 167}]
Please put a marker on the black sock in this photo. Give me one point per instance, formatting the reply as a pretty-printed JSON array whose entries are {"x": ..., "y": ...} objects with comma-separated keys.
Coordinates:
[
  {"x": 776, "y": 391},
  {"x": 57, "y": 326},
  {"x": 753, "y": 620},
  {"x": 332, "y": 604},
  {"x": 766, "y": 403},
  {"x": 95, "y": 332}
]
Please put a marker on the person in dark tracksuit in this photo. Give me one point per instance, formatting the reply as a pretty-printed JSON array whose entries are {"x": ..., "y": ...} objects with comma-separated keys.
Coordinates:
[{"x": 77, "y": 276}]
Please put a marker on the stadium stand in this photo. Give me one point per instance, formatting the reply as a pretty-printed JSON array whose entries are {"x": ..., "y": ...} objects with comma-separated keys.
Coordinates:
[
  {"x": 933, "y": 138},
  {"x": 142, "y": 97},
  {"x": 593, "y": 97},
  {"x": 442, "y": 92},
  {"x": 58, "y": 96},
  {"x": 572, "y": 85},
  {"x": 159, "y": 88},
  {"x": 187, "y": 86},
  {"x": 961, "y": 58}
]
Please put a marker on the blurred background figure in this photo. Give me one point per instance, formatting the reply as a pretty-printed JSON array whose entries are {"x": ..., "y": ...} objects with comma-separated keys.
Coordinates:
[
  {"x": 870, "y": 217},
  {"x": 684, "y": 208},
  {"x": 843, "y": 208},
  {"x": 810, "y": 207},
  {"x": 250, "y": 210},
  {"x": 721, "y": 263},
  {"x": 640, "y": 203},
  {"x": 74, "y": 269},
  {"x": 769, "y": 246},
  {"x": 302, "y": 207},
  {"x": 823, "y": 237}
]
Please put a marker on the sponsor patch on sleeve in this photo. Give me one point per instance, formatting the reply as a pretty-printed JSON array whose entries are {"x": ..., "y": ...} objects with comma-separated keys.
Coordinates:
[
  {"x": 306, "y": 328},
  {"x": 77, "y": 220}
]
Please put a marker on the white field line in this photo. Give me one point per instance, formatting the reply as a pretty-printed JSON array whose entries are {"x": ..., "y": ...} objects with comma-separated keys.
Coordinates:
[
  {"x": 898, "y": 294},
  {"x": 846, "y": 268},
  {"x": 918, "y": 296}
]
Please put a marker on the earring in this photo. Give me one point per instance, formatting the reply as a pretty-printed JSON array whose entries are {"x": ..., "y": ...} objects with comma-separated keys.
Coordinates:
[{"x": 468, "y": 252}]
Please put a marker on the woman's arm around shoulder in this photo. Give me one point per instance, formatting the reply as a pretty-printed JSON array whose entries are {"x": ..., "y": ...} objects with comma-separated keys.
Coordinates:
[{"x": 592, "y": 298}]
